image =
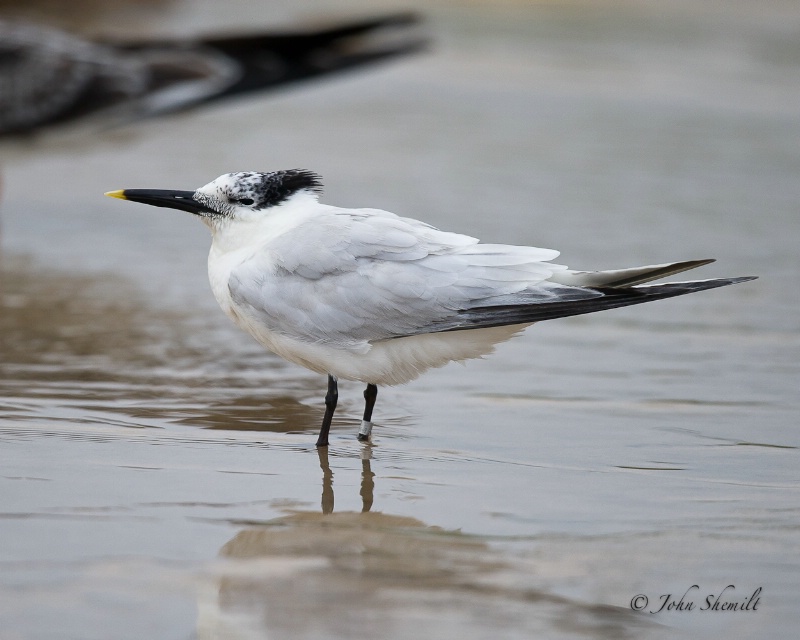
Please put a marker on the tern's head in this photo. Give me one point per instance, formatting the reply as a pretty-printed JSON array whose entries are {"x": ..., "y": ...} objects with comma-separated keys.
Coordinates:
[{"x": 233, "y": 196}]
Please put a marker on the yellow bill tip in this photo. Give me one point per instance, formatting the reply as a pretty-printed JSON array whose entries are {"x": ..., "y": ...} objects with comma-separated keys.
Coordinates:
[{"x": 119, "y": 193}]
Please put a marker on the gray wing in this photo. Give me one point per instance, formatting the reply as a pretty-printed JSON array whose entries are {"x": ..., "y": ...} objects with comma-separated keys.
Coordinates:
[{"x": 351, "y": 279}]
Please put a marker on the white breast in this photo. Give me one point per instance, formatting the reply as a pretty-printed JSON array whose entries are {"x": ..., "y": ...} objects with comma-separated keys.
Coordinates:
[{"x": 387, "y": 362}]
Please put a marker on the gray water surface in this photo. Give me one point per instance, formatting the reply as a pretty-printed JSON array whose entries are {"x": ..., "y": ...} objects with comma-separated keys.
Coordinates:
[{"x": 158, "y": 476}]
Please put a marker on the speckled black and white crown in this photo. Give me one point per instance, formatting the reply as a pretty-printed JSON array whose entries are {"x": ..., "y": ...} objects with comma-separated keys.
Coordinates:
[{"x": 270, "y": 189}]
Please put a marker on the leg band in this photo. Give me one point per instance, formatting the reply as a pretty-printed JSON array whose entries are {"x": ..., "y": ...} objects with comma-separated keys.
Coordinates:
[{"x": 365, "y": 430}]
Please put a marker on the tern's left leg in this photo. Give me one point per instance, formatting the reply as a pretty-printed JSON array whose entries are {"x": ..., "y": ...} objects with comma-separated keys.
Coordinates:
[
  {"x": 370, "y": 395},
  {"x": 331, "y": 398}
]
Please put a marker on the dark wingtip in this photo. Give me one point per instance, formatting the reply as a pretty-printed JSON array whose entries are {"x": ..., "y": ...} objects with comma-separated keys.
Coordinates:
[
  {"x": 496, "y": 316},
  {"x": 367, "y": 25},
  {"x": 743, "y": 279},
  {"x": 691, "y": 286},
  {"x": 672, "y": 289},
  {"x": 305, "y": 54}
]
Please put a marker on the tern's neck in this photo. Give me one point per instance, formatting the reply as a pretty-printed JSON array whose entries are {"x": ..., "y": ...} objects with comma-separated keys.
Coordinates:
[{"x": 232, "y": 235}]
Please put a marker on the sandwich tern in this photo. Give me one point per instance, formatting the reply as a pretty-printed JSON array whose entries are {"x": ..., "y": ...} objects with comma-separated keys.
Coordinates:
[
  {"x": 49, "y": 77},
  {"x": 366, "y": 295}
]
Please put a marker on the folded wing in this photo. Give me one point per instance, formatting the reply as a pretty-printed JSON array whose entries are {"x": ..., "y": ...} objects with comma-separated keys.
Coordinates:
[
  {"x": 350, "y": 278},
  {"x": 358, "y": 277}
]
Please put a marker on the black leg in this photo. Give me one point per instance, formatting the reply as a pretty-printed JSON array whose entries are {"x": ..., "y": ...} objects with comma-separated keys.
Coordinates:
[
  {"x": 370, "y": 395},
  {"x": 331, "y": 398},
  {"x": 327, "y": 480}
]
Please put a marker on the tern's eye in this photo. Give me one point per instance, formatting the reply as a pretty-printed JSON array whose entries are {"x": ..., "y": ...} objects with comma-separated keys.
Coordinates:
[{"x": 245, "y": 201}]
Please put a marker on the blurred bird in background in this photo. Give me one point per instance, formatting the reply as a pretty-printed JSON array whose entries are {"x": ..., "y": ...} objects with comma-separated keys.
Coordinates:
[{"x": 50, "y": 77}]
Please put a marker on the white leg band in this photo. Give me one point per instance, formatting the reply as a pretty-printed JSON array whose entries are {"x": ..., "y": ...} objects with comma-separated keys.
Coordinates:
[{"x": 365, "y": 430}]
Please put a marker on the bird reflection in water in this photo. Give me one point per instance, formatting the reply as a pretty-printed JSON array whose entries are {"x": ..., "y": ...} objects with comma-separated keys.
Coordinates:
[
  {"x": 352, "y": 574},
  {"x": 367, "y": 480}
]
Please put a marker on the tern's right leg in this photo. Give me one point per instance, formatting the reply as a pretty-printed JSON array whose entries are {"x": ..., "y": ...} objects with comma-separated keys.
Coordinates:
[
  {"x": 370, "y": 394},
  {"x": 331, "y": 398}
]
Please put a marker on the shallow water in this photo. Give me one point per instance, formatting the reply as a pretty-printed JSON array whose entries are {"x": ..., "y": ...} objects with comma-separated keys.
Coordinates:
[{"x": 159, "y": 477}]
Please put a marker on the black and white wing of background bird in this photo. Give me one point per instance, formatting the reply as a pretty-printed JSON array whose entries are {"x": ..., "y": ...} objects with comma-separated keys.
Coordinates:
[{"x": 50, "y": 77}]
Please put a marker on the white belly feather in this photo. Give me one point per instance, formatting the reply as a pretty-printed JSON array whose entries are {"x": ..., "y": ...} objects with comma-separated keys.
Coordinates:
[{"x": 387, "y": 362}]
